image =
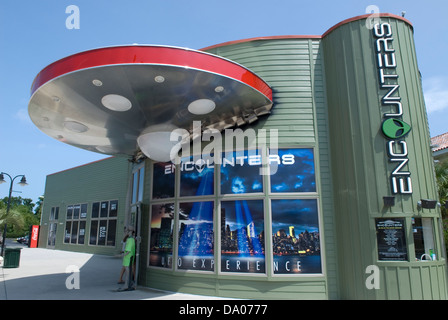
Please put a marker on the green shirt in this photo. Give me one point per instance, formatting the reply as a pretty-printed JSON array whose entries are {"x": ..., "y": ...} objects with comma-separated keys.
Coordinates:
[{"x": 129, "y": 251}]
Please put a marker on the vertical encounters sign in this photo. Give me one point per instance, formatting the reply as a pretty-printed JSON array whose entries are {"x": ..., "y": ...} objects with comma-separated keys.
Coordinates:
[{"x": 393, "y": 127}]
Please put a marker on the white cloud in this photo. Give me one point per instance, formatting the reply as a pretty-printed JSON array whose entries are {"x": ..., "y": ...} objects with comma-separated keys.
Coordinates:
[
  {"x": 22, "y": 115},
  {"x": 436, "y": 93}
]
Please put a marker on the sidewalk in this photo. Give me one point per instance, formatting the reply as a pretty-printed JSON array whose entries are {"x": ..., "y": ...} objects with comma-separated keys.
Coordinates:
[{"x": 42, "y": 275}]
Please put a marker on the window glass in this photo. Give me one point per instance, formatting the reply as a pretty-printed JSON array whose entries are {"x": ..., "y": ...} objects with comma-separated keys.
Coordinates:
[
  {"x": 102, "y": 231},
  {"x": 134, "y": 187},
  {"x": 195, "y": 247},
  {"x": 113, "y": 208},
  {"x": 163, "y": 180},
  {"x": 69, "y": 212},
  {"x": 76, "y": 211},
  {"x": 74, "y": 236},
  {"x": 141, "y": 181},
  {"x": 95, "y": 210},
  {"x": 68, "y": 230},
  {"x": 73, "y": 226},
  {"x": 161, "y": 243},
  {"x": 240, "y": 172},
  {"x": 82, "y": 232},
  {"x": 83, "y": 211},
  {"x": 295, "y": 236},
  {"x": 292, "y": 170},
  {"x": 103, "y": 225},
  {"x": 104, "y": 209},
  {"x": 242, "y": 236},
  {"x": 423, "y": 231},
  {"x": 196, "y": 177},
  {"x": 93, "y": 232},
  {"x": 111, "y": 230}
]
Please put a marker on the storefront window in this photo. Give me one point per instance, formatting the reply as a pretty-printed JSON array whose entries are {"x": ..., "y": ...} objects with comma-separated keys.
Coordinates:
[
  {"x": 243, "y": 188},
  {"x": 196, "y": 237},
  {"x": 292, "y": 170},
  {"x": 240, "y": 172},
  {"x": 161, "y": 243},
  {"x": 242, "y": 236},
  {"x": 196, "y": 177},
  {"x": 295, "y": 236},
  {"x": 75, "y": 225},
  {"x": 103, "y": 225},
  {"x": 423, "y": 231},
  {"x": 54, "y": 216}
]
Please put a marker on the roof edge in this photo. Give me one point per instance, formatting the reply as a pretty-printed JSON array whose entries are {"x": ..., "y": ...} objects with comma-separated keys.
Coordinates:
[{"x": 360, "y": 17}]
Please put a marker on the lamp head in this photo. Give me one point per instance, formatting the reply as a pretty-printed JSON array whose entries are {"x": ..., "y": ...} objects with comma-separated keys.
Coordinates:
[{"x": 23, "y": 182}]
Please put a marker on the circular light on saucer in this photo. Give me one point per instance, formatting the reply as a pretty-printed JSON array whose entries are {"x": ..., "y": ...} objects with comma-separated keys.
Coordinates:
[
  {"x": 159, "y": 79},
  {"x": 116, "y": 102},
  {"x": 75, "y": 126},
  {"x": 97, "y": 82},
  {"x": 201, "y": 106}
]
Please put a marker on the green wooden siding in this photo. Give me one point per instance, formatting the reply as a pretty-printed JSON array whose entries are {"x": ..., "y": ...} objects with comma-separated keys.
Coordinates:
[
  {"x": 103, "y": 180},
  {"x": 361, "y": 168}
]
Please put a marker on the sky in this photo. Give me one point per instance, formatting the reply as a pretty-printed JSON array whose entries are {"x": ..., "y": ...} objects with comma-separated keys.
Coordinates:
[{"x": 33, "y": 34}]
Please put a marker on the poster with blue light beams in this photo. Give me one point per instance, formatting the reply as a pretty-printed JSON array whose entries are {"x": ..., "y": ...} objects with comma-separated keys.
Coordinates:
[
  {"x": 196, "y": 237},
  {"x": 242, "y": 236},
  {"x": 196, "y": 177}
]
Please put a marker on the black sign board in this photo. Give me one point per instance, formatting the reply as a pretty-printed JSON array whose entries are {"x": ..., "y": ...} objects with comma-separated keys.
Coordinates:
[{"x": 391, "y": 239}]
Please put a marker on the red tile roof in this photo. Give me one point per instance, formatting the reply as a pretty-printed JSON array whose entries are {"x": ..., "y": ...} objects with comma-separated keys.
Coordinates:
[{"x": 439, "y": 142}]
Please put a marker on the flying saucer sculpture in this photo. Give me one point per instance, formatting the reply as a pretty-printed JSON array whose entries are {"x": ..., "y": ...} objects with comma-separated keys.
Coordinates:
[{"x": 120, "y": 100}]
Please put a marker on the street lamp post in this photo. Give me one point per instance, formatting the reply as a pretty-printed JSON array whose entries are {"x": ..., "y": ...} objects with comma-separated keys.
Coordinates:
[{"x": 22, "y": 183}]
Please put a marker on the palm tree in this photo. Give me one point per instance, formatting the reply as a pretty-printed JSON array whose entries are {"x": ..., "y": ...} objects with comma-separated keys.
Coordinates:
[{"x": 441, "y": 169}]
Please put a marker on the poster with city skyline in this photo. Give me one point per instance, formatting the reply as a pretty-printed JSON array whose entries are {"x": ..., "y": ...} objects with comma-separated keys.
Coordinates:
[
  {"x": 292, "y": 170},
  {"x": 161, "y": 241},
  {"x": 242, "y": 236},
  {"x": 295, "y": 236},
  {"x": 163, "y": 180},
  {"x": 196, "y": 236}
]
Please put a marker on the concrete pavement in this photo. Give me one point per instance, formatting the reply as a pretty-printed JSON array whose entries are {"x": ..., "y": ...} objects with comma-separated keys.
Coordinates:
[{"x": 43, "y": 273}]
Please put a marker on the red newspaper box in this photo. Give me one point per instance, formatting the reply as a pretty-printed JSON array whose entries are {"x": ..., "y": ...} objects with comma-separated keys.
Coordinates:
[{"x": 34, "y": 236}]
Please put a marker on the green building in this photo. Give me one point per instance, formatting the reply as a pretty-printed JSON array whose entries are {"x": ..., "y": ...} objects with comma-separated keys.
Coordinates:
[{"x": 285, "y": 167}]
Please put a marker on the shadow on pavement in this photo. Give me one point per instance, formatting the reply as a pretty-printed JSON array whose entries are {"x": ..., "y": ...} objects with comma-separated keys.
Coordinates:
[{"x": 43, "y": 273}]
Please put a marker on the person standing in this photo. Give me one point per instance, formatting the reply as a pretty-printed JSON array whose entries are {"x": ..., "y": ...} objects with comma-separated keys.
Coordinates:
[{"x": 128, "y": 258}]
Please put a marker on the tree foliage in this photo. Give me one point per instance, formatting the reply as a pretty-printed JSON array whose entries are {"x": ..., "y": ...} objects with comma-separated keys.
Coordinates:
[
  {"x": 20, "y": 217},
  {"x": 441, "y": 169}
]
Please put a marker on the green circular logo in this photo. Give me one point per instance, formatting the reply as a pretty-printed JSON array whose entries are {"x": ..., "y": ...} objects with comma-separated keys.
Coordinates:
[{"x": 395, "y": 129}]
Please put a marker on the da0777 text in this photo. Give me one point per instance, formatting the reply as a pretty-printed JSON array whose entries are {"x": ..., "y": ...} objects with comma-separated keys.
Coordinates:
[{"x": 245, "y": 309}]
